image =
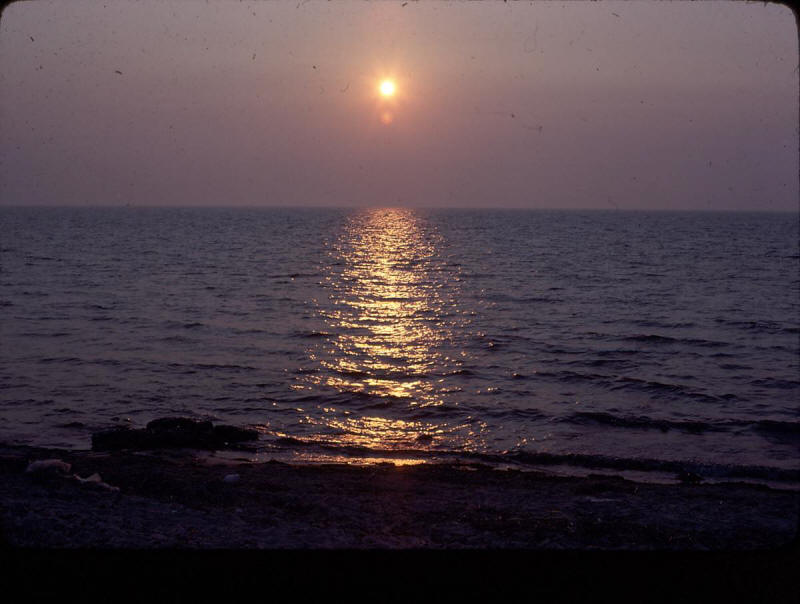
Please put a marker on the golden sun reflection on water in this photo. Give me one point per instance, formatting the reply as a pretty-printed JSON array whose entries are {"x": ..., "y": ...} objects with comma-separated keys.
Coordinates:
[
  {"x": 385, "y": 310},
  {"x": 392, "y": 315},
  {"x": 387, "y": 433}
]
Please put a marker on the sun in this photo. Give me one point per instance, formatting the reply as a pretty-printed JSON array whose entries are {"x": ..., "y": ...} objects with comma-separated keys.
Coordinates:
[{"x": 388, "y": 88}]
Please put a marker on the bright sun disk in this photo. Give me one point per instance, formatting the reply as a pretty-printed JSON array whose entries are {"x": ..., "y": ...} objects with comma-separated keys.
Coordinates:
[{"x": 387, "y": 88}]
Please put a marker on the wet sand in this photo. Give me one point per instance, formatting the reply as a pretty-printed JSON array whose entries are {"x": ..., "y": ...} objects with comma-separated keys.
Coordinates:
[{"x": 176, "y": 499}]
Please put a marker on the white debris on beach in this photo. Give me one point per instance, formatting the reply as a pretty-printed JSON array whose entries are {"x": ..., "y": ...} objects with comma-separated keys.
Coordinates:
[
  {"x": 48, "y": 464},
  {"x": 62, "y": 467},
  {"x": 95, "y": 479}
]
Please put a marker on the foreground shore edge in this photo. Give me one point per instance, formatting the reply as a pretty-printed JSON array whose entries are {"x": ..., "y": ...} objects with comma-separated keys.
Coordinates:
[{"x": 176, "y": 499}]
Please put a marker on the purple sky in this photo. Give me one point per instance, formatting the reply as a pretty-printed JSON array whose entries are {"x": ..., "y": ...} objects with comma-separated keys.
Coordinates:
[{"x": 637, "y": 105}]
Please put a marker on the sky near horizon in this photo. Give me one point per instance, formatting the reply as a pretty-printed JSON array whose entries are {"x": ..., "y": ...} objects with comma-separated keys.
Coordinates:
[{"x": 632, "y": 105}]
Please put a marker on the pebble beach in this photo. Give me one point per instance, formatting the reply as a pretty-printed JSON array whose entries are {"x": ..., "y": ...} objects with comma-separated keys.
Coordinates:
[{"x": 185, "y": 500}]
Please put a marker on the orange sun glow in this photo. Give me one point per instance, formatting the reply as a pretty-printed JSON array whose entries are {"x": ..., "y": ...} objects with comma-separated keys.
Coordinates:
[{"x": 387, "y": 88}]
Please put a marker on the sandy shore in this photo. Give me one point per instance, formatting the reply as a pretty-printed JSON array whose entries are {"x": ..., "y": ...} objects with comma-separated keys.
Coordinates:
[{"x": 175, "y": 499}]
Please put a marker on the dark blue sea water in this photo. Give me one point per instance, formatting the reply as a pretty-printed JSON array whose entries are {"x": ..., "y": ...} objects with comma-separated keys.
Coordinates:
[{"x": 603, "y": 341}]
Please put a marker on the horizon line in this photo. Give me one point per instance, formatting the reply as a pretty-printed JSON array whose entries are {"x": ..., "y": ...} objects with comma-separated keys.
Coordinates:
[{"x": 407, "y": 207}]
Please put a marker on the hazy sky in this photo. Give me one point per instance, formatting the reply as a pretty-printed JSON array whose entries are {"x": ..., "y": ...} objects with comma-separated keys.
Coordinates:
[{"x": 646, "y": 105}]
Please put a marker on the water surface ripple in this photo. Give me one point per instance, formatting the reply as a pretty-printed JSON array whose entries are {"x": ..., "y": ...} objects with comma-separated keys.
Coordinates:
[{"x": 599, "y": 339}]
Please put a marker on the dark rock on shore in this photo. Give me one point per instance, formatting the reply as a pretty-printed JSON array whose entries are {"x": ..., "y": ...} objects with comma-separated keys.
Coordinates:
[
  {"x": 173, "y": 432},
  {"x": 234, "y": 434}
]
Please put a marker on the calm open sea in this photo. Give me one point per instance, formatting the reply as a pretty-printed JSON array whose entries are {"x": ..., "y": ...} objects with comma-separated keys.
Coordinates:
[{"x": 601, "y": 341}]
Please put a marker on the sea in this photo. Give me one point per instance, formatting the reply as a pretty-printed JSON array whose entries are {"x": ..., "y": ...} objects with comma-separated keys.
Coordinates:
[{"x": 661, "y": 346}]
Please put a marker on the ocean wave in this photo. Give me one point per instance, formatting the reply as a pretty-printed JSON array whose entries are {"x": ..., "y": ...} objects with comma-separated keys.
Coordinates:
[
  {"x": 313, "y": 334},
  {"x": 211, "y": 367},
  {"x": 356, "y": 373},
  {"x": 436, "y": 411},
  {"x": 655, "y": 388},
  {"x": 512, "y": 414},
  {"x": 536, "y": 459},
  {"x": 574, "y": 377},
  {"x": 664, "y": 324},
  {"x": 52, "y": 334},
  {"x": 71, "y": 360},
  {"x": 460, "y": 372},
  {"x": 659, "y": 339},
  {"x": 703, "y": 470},
  {"x": 345, "y": 398},
  {"x": 767, "y": 327},
  {"x": 782, "y": 427},
  {"x": 785, "y": 428},
  {"x": 247, "y": 331},
  {"x": 609, "y": 363},
  {"x": 106, "y": 362},
  {"x": 382, "y": 403},
  {"x": 640, "y": 422},
  {"x": 775, "y": 383},
  {"x": 175, "y": 338}
]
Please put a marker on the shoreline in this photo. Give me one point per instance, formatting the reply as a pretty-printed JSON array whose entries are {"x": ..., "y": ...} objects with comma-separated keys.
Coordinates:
[{"x": 174, "y": 499}]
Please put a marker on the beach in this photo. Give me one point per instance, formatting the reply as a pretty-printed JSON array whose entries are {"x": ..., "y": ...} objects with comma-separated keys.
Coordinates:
[{"x": 180, "y": 499}]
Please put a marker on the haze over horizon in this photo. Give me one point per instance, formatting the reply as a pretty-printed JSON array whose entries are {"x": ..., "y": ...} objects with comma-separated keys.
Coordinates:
[{"x": 647, "y": 106}]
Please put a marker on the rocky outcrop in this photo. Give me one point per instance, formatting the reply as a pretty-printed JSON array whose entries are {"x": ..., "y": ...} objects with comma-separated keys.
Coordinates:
[{"x": 173, "y": 432}]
